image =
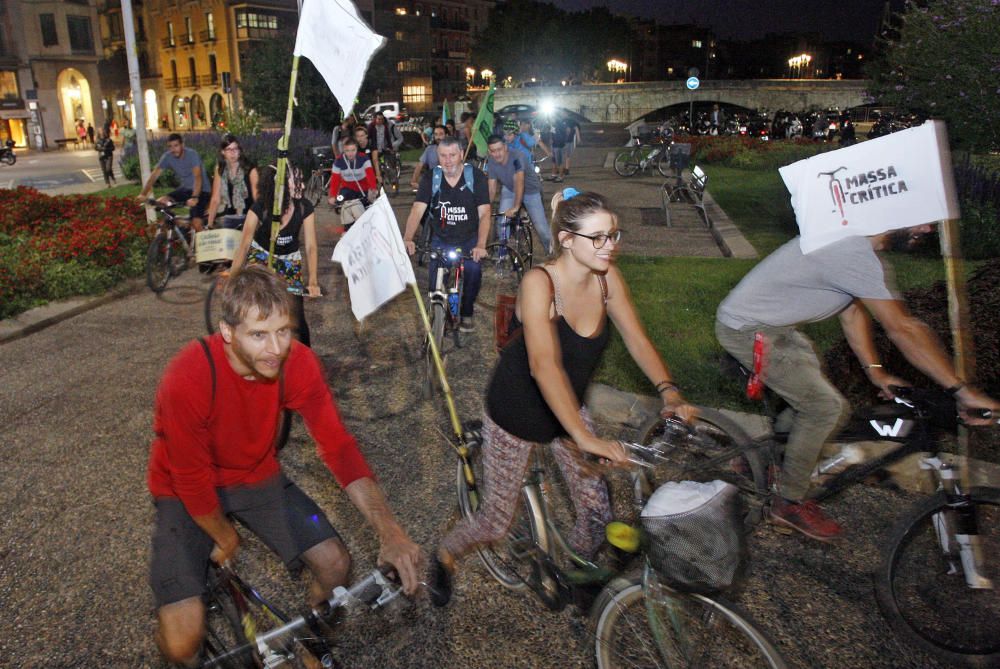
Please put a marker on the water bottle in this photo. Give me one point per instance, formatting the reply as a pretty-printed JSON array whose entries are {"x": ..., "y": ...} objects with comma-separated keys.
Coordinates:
[
  {"x": 503, "y": 234},
  {"x": 453, "y": 301},
  {"x": 851, "y": 454}
]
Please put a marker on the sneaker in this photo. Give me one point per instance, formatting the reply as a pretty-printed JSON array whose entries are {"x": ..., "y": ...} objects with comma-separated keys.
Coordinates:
[
  {"x": 804, "y": 517},
  {"x": 558, "y": 180},
  {"x": 466, "y": 325}
]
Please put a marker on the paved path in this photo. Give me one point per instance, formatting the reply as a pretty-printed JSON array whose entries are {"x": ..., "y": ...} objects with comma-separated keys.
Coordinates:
[{"x": 75, "y": 427}]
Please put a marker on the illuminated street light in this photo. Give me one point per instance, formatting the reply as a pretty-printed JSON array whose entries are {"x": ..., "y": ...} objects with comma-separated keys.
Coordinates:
[
  {"x": 796, "y": 65},
  {"x": 617, "y": 66},
  {"x": 486, "y": 74}
]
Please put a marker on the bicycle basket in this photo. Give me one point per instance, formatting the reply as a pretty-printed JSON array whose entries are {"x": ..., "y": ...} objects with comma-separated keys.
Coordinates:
[{"x": 694, "y": 535}]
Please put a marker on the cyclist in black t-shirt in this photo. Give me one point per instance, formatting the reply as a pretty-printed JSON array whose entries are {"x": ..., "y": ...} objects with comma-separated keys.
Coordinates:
[{"x": 459, "y": 216}]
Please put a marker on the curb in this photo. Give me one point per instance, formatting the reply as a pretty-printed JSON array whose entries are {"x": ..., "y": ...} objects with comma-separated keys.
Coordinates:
[{"x": 39, "y": 318}]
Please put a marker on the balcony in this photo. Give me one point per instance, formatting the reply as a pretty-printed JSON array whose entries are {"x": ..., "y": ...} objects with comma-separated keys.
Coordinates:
[
  {"x": 208, "y": 80},
  {"x": 207, "y": 36},
  {"x": 247, "y": 32},
  {"x": 169, "y": 42},
  {"x": 186, "y": 39},
  {"x": 172, "y": 84}
]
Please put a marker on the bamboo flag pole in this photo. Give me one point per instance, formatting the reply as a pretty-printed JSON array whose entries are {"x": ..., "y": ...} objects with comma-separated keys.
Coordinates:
[
  {"x": 958, "y": 307},
  {"x": 282, "y": 168},
  {"x": 456, "y": 424}
]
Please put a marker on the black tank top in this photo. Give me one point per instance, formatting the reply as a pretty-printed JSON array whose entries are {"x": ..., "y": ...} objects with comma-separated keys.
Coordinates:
[{"x": 513, "y": 399}]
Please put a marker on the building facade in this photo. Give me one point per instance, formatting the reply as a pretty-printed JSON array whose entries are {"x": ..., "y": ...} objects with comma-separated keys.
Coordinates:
[{"x": 49, "y": 78}]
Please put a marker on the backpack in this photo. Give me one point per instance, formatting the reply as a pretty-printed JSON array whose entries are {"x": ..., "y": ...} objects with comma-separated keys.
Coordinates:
[{"x": 395, "y": 136}]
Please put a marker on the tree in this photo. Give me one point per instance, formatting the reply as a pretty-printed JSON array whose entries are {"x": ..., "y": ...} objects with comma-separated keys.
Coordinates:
[
  {"x": 266, "y": 73},
  {"x": 944, "y": 62}
]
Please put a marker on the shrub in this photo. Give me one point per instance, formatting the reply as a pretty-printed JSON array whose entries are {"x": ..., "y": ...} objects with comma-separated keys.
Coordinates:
[
  {"x": 979, "y": 194},
  {"x": 55, "y": 247}
]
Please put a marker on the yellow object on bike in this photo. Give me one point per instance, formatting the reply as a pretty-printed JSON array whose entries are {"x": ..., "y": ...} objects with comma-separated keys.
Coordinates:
[{"x": 623, "y": 536}]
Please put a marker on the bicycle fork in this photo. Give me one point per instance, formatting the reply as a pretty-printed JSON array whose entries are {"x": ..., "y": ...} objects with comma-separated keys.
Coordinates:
[{"x": 957, "y": 528}]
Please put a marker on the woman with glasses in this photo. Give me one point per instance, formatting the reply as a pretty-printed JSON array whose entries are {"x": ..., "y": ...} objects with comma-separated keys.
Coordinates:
[
  {"x": 536, "y": 393},
  {"x": 297, "y": 219},
  {"x": 234, "y": 188}
]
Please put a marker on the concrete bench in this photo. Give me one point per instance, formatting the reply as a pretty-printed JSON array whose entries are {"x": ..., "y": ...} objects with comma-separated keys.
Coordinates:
[{"x": 61, "y": 143}]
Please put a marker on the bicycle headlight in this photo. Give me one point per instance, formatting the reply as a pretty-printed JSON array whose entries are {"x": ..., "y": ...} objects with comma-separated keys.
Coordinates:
[{"x": 452, "y": 255}]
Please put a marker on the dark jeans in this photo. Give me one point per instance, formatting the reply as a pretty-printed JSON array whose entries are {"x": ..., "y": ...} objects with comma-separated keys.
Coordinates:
[
  {"x": 473, "y": 272},
  {"x": 107, "y": 167}
]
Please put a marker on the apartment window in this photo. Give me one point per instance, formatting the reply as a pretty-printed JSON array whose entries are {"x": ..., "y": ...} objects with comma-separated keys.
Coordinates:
[
  {"x": 170, "y": 34},
  {"x": 80, "y": 38},
  {"x": 400, "y": 11},
  {"x": 254, "y": 20},
  {"x": 696, "y": 43},
  {"x": 415, "y": 94},
  {"x": 8, "y": 86},
  {"x": 213, "y": 68},
  {"x": 173, "y": 72},
  {"x": 194, "y": 72},
  {"x": 400, "y": 35},
  {"x": 187, "y": 29},
  {"x": 210, "y": 22},
  {"x": 48, "y": 24}
]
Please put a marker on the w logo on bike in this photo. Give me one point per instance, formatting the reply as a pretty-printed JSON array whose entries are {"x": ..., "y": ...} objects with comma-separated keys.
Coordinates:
[{"x": 900, "y": 428}]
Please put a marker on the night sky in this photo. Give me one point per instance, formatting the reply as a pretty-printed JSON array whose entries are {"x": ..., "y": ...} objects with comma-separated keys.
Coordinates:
[{"x": 854, "y": 20}]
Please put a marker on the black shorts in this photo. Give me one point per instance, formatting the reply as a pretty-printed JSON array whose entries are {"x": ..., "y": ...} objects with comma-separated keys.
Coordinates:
[
  {"x": 276, "y": 510},
  {"x": 182, "y": 195}
]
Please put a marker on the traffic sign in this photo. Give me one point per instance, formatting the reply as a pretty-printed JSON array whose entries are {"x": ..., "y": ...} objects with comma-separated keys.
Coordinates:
[{"x": 693, "y": 83}]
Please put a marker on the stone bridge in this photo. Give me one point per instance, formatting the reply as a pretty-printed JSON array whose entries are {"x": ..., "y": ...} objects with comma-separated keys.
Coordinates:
[{"x": 624, "y": 103}]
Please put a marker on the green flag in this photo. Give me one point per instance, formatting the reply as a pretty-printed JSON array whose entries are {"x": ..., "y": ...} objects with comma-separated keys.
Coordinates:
[
  {"x": 483, "y": 127},
  {"x": 444, "y": 112}
]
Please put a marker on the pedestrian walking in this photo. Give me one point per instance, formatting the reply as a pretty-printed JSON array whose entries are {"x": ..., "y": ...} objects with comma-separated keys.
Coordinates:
[
  {"x": 90, "y": 134},
  {"x": 105, "y": 147}
]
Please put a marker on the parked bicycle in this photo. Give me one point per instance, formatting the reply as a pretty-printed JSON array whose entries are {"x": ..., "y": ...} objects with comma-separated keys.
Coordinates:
[
  {"x": 642, "y": 156},
  {"x": 171, "y": 249},
  {"x": 245, "y": 630},
  {"x": 318, "y": 186},
  {"x": 637, "y": 619}
]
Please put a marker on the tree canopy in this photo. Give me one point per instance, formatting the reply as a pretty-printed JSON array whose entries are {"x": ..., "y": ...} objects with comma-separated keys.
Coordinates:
[
  {"x": 526, "y": 38},
  {"x": 944, "y": 62}
]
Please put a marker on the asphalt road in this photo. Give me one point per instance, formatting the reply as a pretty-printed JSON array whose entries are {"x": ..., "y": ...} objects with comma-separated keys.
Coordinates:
[{"x": 75, "y": 515}]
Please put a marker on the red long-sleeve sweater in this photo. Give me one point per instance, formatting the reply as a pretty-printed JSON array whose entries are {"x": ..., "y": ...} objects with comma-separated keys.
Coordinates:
[
  {"x": 352, "y": 178},
  {"x": 201, "y": 445}
]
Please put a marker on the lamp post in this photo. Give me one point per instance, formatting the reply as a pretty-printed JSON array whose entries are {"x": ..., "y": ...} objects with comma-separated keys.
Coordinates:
[
  {"x": 616, "y": 66},
  {"x": 796, "y": 63}
]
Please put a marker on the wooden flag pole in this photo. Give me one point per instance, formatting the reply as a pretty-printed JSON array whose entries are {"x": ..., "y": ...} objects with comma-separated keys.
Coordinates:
[
  {"x": 282, "y": 167},
  {"x": 456, "y": 424}
]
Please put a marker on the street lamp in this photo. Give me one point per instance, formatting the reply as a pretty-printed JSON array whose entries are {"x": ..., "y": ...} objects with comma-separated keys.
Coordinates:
[
  {"x": 617, "y": 66},
  {"x": 486, "y": 74},
  {"x": 796, "y": 63},
  {"x": 470, "y": 76}
]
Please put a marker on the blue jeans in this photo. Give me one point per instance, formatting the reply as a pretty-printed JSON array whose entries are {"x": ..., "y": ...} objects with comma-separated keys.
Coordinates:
[
  {"x": 536, "y": 212},
  {"x": 472, "y": 272}
]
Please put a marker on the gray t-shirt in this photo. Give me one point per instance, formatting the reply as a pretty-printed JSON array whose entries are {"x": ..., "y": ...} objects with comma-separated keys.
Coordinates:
[
  {"x": 183, "y": 167},
  {"x": 789, "y": 287},
  {"x": 516, "y": 162},
  {"x": 430, "y": 156}
]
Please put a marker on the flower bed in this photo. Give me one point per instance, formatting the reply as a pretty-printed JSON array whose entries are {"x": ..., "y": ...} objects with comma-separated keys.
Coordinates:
[
  {"x": 56, "y": 247},
  {"x": 750, "y": 152}
]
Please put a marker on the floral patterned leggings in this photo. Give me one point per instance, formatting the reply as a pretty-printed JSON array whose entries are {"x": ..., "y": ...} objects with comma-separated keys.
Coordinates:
[{"x": 505, "y": 461}]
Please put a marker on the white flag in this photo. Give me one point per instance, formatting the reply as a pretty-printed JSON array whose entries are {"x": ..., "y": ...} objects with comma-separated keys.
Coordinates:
[
  {"x": 374, "y": 259},
  {"x": 896, "y": 181},
  {"x": 339, "y": 43}
]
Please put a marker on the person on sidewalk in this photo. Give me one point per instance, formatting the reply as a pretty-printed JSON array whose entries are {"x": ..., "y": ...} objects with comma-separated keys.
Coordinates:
[
  {"x": 105, "y": 147},
  {"x": 844, "y": 278},
  {"x": 213, "y": 462}
]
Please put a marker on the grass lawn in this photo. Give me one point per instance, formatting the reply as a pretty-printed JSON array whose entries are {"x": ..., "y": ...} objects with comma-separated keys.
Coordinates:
[{"x": 677, "y": 297}]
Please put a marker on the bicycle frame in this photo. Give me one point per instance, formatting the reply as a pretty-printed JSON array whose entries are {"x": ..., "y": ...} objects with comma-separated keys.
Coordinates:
[{"x": 448, "y": 283}]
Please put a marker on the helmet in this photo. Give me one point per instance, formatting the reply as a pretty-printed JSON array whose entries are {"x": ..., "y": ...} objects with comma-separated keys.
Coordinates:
[{"x": 511, "y": 125}]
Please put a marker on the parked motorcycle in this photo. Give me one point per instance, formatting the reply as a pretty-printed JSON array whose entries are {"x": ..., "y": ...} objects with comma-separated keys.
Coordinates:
[{"x": 7, "y": 155}]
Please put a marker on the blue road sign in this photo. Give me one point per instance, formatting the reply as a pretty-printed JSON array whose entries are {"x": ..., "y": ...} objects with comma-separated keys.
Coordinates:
[{"x": 693, "y": 83}]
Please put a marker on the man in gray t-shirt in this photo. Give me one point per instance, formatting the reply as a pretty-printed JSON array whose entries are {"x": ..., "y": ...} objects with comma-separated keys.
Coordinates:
[
  {"x": 515, "y": 175},
  {"x": 429, "y": 158},
  {"x": 847, "y": 279},
  {"x": 195, "y": 189}
]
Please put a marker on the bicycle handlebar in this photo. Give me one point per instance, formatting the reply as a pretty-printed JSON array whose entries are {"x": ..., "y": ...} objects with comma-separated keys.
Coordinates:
[{"x": 923, "y": 401}]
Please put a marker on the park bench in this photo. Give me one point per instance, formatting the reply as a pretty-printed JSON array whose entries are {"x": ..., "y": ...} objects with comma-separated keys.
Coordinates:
[
  {"x": 61, "y": 143},
  {"x": 691, "y": 190}
]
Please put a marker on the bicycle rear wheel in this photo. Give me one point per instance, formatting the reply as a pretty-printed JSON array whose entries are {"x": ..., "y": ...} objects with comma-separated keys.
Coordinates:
[
  {"x": 719, "y": 449},
  {"x": 627, "y": 162},
  {"x": 516, "y": 561},
  {"x": 520, "y": 239},
  {"x": 158, "y": 262},
  {"x": 923, "y": 592},
  {"x": 314, "y": 190},
  {"x": 652, "y": 626}
]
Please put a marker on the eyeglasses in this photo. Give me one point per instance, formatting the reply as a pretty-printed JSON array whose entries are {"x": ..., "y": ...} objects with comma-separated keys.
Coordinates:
[
  {"x": 232, "y": 149},
  {"x": 600, "y": 240}
]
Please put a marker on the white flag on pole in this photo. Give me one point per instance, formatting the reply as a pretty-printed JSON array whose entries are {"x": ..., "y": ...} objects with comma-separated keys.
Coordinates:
[
  {"x": 339, "y": 43},
  {"x": 896, "y": 181},
  {"x": 374, "y": 259}
]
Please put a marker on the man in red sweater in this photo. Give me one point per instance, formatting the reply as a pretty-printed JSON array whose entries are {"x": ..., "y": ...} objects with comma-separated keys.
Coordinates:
[{"x": 214, "y": 459}]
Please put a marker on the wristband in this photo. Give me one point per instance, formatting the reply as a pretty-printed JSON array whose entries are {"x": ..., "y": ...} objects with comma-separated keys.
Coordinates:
[
  {"x": 667, "y": 385},
  {"x": 955, "y": 388},
  {"x": 873, "y": 366}
]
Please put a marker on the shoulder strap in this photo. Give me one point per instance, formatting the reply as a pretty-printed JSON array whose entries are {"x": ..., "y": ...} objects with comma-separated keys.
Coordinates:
[
  {"x": 603, "y": 280},
  {"x": 555, "y": 289},
  {"x": 211, "y": 367},
  {"x": 436, "y": 176},
  {"x": 470, "y": 182}
]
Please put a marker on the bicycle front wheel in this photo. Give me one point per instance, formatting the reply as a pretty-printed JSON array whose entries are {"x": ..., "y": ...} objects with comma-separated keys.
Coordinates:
[
  {"x": 663, "y": 162},
  {"x": 512, "y": 560},
  {"x": 158, "y": 262},
  {"x": 718, "y": 450},
  {"x": 627, "y": 162},
  {"x": 652, "y": 626},
  {"x": 921, "y": 585},
  {"x": 438, "y": 317}
]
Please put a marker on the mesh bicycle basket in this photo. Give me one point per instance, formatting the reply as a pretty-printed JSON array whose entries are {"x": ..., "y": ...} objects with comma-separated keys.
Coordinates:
[{"x": 694, "y": 535}]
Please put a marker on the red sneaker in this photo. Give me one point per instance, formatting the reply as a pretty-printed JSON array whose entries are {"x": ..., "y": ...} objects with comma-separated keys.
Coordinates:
[{"x": 806, "y": 518}]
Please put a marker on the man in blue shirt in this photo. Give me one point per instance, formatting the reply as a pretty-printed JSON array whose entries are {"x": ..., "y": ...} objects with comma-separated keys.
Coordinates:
[
  {"x": 514, "y": 172},
  {"x": 195, "y": 189},
  {"x": 528, "y": 140}
]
